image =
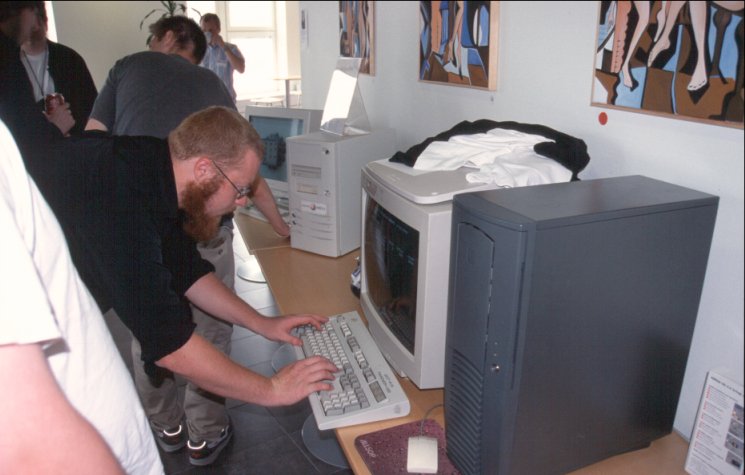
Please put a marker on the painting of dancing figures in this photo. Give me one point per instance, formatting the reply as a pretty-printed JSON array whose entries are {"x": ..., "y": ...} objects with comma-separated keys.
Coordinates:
[
  {"x": 458, "y": 43},
  {"x": 682, "y": 59}
]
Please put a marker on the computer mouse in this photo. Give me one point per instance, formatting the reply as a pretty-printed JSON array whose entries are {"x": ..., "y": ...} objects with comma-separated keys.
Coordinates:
[{"x": 422, "y": 455}]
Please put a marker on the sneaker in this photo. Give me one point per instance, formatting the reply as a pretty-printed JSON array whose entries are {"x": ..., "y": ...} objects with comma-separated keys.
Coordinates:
[
  {"x": 204, "y": 453},
  {"x": 171, "y": 440}
]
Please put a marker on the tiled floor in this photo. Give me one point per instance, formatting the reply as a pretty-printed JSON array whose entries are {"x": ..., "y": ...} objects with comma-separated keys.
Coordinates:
[{"x": 266, "y": 440}]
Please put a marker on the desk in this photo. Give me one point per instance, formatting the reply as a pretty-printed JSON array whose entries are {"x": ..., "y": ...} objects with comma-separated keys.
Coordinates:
[{"x": 305, "y": 282}]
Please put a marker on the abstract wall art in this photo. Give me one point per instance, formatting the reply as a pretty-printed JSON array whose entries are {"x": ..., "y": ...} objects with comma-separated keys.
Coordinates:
[
  {"x": 458, "y": 43},
  {"x": 357, "y": 33},
  {"x": 681, "y": 59}
]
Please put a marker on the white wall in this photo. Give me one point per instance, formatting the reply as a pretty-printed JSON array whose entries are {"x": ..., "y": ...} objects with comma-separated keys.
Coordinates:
[
  {"x": 103, "y": 32},
  {"x": 546, "y": 58}
]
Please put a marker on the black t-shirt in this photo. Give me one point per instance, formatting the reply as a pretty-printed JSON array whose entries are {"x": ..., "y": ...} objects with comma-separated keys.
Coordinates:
[
  {"x": 30, "y": 129},
  {"x": 115, "y": 198}
]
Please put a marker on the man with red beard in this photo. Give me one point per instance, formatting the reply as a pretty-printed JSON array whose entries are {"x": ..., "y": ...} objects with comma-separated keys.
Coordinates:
[
  {"x": 133, "y": 209},
  {"x": 151, "y": 93}
]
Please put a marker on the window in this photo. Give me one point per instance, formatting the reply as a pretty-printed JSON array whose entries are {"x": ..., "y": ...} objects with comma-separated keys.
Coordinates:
[
  {"x": 259, "y": 30},
  {"x": 51, "y": 24}
]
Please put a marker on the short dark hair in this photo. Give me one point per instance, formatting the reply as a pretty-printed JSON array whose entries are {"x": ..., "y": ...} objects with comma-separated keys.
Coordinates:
[
  {"x": 187, "y": 32},
  {"x": 211, "y": 17},
  {"x": 10, "y": 10}
]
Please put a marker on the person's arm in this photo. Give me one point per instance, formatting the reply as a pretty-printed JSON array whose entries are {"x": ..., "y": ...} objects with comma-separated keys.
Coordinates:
[
  {"x": 87, "y": 87},
  {"x": 103, "y": 113},
  {"x": 236, "y": 60},
  {"x": 201, "y": 363},
  {"x": 74, "y": 81},
  {"x": 36, "y": 405},
  {"x": 86, "y": 93},
  {"x": 234, "y": 57},
  {"x": 93, "y": 124},
  {"x": 263, "y": 199},
  {"x": 212, "y": 296},
  {"x": 204, "y": 365}
]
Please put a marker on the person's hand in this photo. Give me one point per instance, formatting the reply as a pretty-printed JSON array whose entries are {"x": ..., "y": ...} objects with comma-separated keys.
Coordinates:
[
  {"x": 61, "y": 117},
  {"x": 283, "y": 230},
  {"x": 296, "y": 381},
  {"x": 279, "y": 328},
  {"x": 218, "y": 41}
]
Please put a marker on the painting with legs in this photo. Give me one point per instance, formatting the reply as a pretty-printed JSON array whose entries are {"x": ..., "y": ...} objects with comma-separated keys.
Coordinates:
[
  {"x": 357, "y": 33},
  {"x": 682, "y": 59},
  {"x": 458, "y": 43}
]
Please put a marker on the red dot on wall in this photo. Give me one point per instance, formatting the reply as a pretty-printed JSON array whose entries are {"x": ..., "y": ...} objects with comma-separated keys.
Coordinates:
[{"x": 603, "y": 118}]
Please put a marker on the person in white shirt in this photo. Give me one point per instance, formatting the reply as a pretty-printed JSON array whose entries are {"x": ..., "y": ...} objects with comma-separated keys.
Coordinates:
[
  {"x": 68, "y": 400},
  {"x": 221, "y": 58}
]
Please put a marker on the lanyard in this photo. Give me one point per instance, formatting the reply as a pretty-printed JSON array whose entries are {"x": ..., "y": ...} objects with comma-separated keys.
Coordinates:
[{"x": 41, "y": 82}]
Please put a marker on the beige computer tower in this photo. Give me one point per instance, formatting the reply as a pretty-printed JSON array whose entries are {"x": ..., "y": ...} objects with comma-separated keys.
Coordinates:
[{"x": 324, "y": 178}]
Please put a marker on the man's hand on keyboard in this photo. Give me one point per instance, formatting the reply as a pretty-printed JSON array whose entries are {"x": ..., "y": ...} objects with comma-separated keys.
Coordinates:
[
  {"x": 280, "y": 328},
  {"x": 296, "y": 381},
  {"x": 365, "y": 388}
]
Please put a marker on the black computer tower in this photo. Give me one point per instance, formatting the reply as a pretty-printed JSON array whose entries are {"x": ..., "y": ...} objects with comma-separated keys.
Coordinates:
[{"x": 570, "y": 318}]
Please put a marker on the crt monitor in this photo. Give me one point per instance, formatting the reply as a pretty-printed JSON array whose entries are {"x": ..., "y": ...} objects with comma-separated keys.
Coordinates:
[
  {"x": 404, "y": 282},
  {"x": 406, "y": 228},
  {"x": 274, "y": 125}
]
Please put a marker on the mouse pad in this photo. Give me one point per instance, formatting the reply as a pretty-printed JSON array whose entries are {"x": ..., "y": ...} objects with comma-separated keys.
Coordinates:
[{"x": 384, "y": 451}]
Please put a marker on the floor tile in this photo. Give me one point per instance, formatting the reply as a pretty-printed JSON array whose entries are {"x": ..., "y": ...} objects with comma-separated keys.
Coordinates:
[
  {"x": 320, "y": 466},
  {"x": 272, "y": 456},
  {"x": 240, "y": 332},
  {"x": 291, "y": 418},
  {"x": 240, "y": 252},
  {"x": 253, "y": 425},
  {"x": 252, "y": 350},
  {"x": 242, "y": 285},
  {"x": 272, "y": 311},
  {"x": 259, "y": 298}
]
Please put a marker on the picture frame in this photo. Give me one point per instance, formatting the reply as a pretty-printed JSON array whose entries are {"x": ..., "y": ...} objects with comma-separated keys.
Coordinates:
[
  {"x": 458, "y": 43},
  {"x": 357, "y": 33},
  {"x": 682, "y": 60}
]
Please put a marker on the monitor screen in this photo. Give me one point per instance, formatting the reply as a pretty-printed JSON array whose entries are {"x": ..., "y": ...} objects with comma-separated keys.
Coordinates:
[
  {"x": 274, "y": 125},
  {"x": 273, "y": 132},
  {"x": 391, "y": 253}
]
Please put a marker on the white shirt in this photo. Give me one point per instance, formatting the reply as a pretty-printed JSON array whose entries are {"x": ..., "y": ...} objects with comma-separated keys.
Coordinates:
[
  {"x": 43, "y": 300},
  {"x": 501, "y": 156},
  {"x": 37, "y": 68}
]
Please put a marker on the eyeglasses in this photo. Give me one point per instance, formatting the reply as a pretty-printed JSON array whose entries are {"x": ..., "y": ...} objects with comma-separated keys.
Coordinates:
[{"x": 240, "y": 192}]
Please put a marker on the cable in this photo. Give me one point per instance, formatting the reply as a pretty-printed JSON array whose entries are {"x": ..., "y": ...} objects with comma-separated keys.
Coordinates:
[{"x": 421, "y": 426}]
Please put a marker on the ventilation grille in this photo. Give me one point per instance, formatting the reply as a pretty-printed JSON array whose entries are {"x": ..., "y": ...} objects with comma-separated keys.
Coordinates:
[{"x": 464, "y": 392}]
